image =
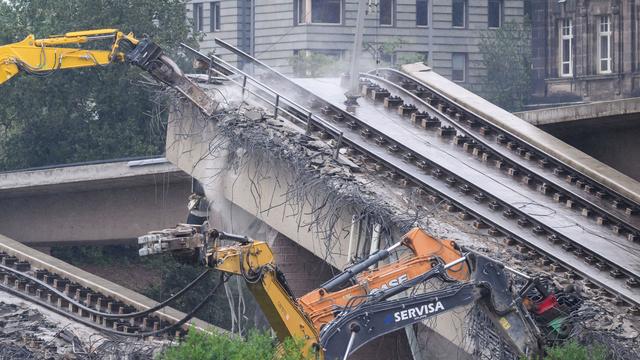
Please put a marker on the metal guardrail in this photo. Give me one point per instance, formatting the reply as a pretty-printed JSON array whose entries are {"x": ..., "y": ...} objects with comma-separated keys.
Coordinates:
[{"x": 279, "y": 103}]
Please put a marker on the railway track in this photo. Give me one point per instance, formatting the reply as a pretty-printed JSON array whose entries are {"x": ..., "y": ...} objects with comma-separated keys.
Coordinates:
[
  {"x": 485, "y": 174},
  {"x": 68, "y": 291},
  {"x": 569, "y": 222},
  {"x": 566, "y": 184}
]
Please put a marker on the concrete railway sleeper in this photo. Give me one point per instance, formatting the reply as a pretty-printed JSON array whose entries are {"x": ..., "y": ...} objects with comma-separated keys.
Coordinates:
[
  {"x": 90, "y": 307},
  {"x": 402, "y": 164},
  {"x": 565, "y": 183},
  {"x": 508, "y": 224},
  {"x": 485, "y": 144}
]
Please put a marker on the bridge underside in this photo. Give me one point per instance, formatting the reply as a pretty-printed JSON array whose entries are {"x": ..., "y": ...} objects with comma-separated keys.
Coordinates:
[
  {"x": 91, "y": 204},
  {"x": 609, "y": 140},
  {"x": 606, "y": 130}
]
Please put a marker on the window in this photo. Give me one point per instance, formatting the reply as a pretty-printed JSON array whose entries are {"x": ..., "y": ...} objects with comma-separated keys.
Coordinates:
[
  {"x": 305, "y": 62},
  {"x": 302, "y": 11},
  {"x": 214, "y": 20},
  {"x": 319, "y": 11},
  {"x": 495, "y": 14},
  {"x": 458, "y": 13},
  {"x": 386, "y": 12},
  {"x": 566, "y": 51},
  {"x": 422, "y": 12},
  {"x": 458, "y": 67},
  {"x": 388, "y": 57},
  {"x": 197, "y": 17},
  {"x": 604, "y": 45}
]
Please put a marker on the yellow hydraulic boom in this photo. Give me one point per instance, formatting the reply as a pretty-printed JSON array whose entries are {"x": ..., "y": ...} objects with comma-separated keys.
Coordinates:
[
  {"x": 44, "y": 56},
  {"x": 41, "y": 56}
]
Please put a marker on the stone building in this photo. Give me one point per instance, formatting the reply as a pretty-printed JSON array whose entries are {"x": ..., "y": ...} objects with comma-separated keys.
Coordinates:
[
  {"x": 585, "y": 49},
  {"x": 444, "y": 33}
]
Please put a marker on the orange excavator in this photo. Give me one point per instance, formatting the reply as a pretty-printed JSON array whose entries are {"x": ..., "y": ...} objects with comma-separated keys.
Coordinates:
[
  {"x": 321, "y": 303},
  {"x": 363, "y": 303}
]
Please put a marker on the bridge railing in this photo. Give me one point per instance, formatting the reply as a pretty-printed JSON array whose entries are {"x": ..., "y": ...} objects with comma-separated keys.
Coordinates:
[{"x": 270, "y": 97}]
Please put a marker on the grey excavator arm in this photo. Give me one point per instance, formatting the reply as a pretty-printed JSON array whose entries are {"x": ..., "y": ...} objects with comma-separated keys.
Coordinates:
[
  {"x": 377, "y": 316},
  {"x": 150, "y": 57}
]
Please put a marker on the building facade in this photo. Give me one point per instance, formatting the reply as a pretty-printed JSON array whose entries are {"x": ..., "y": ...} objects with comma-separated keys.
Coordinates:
[
  {"x": 444, "y": 33},
  {"x": 585, "y": 49}
]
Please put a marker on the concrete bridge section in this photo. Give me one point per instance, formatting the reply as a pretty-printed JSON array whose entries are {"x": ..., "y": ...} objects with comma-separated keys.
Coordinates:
[
  {"x": 259, "y": 190},
  {"x": 606, "y": 130},
  {"x": 260, "y": 185},
  {"x": 582, "y": 162},
  {"x": 107, "y": 202},
  {"x": 44, "y": 261}
]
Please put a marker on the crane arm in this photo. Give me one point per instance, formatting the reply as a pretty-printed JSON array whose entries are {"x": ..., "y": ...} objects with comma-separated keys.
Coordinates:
[{"x": 253, "y": 260}]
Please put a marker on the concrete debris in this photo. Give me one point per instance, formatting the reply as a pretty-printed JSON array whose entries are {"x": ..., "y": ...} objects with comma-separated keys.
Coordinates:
[
  {"x": 340, "y": 184},
  {"x": 28, "y": 332}
]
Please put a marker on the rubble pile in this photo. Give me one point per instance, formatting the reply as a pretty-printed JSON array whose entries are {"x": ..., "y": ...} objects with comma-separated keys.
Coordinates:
[
  {"x": 314, "y": 176},
  {"x": 26, "y": 332}
]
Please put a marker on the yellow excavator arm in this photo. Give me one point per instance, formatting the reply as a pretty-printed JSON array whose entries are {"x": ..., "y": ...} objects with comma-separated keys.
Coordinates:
[
  {"x": 43, "y": 56},
  {"x": 252, "y": 260}
]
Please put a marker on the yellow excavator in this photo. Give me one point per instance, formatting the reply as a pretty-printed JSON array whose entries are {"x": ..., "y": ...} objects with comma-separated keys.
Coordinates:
[
  {"x": 356, "y": 306},
  {"x": 41, "y": 57},
  {"x": 365, "y": 302}
]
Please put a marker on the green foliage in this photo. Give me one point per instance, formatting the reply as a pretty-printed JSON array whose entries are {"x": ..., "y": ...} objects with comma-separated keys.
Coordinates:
[
  {"x": 575, "y": 351},
  {"x": 383, "y": 52},
  {"x": 258, "y": 346},
  {"x": 506, "y": 55},
  {"x": 410, "y": 58},
  {"x": 100, "y": 255},
  {"x": 389, "y": 47},
  {"x": 83, "y": 114},
  {"x": 316, "y": 64}
]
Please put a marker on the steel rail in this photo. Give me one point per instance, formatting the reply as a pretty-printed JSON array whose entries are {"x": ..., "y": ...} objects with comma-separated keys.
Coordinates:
[
  {"x": 532, "y": 239},
  {"x": 549, "y": 185},
  {"x": 592, "y": 190},
  {"x": 107, "y": 315},
  {"x": 114, "y": 330},
  {"x": 37, "y": 276}
]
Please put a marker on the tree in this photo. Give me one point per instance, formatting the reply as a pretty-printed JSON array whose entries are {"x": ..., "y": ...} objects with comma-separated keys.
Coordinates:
[
  {"x": 83, "y": 114},
  {"x": 506, "y": 54}
]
